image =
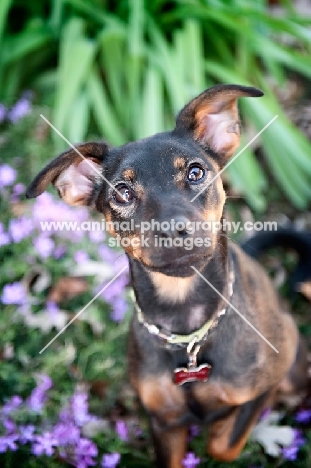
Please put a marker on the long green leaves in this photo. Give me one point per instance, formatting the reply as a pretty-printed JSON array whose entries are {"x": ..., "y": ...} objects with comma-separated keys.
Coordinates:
[
  {"x": 75, "y": 60},
  {"x": 124, "y": 73}
]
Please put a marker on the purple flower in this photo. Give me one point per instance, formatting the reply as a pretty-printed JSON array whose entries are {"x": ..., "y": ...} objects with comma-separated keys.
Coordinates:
[
  {"x": 84, "y": 453},
  {"x": 47, "y": 209},
  {"x": 80, "y": 256},
  {"x": 122, "y": 430},
  {"x": 13, "y": 293},
  {"x": 38, "y": 397},
  {"x": 190, "y": 460},
  {"x": 3, "y": 112},
  {"x": 52, "y": 308},
  {"x": 120, "y": 262},
  {"x": 4, "y": 239},
  {"x": 19, "y": 110},
  {"x": 44, "y": 444},
  {"x": 266, "y": 412},
  {"x": 7, "y": 175},
  {"x": 120, "y": 307},
  {"x": 20, "y": 228},
  {"x": 59, "y": 251},
  {"x": 110, "y": 460},
  {"x": 66, "y": 433},
  {"x": 303, "y": 416},
  {"x": 12, "y": 404},
  {"x": 106, "y": 253},
  {"x": 26, "y": 433},
  {"x": 115, "y": 289},
  {"x": 18, "y": 190},
  {"x": 298, "y": 437},
  {"x": 79, "y": 406},
  {"x": 44, "y": 246},
  {"x": 291, "y": 452},
  {"x": 65, "y": 415},
  {"x": 97, "y": 236},
  {"x": 8, "y": 442},
  {"x": 9, "y": 426},
  {"x": 194, "y": 431}
]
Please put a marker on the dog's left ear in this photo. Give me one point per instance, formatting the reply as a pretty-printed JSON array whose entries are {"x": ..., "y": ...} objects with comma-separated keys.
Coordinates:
[
  {"x": 212, "y": 118},
  {"x": 74, "y": 173}
]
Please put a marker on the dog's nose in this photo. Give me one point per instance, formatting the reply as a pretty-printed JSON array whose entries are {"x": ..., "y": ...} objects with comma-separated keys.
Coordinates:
[{"x": 179, "y": 227}]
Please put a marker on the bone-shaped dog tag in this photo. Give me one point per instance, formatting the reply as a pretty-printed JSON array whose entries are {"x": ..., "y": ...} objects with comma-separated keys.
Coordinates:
[{"x": 191, "y": 374}]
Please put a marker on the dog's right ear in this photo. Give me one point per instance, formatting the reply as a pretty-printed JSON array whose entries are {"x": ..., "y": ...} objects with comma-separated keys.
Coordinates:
[{"x": 74, "y": 173}]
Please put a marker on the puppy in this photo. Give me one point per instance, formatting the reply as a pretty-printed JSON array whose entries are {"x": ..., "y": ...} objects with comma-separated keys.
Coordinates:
[{"x": 210, "y": 342}]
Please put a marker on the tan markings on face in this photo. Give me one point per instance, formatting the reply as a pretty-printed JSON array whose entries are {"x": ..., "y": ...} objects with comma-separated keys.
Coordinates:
[
  {"x": 170, "y": 288},
  {"x": 162, "y": 397},
  {"x": 128, "y": 174},
  {"x": 139, "y": 190},
  {"x": 213, "y": 212},
  {"x": 134, "y": 249},
  {"x": 109, "y": 223},
  {"x": 179, "y": 178},
  {"x": 179, "y": 163}
]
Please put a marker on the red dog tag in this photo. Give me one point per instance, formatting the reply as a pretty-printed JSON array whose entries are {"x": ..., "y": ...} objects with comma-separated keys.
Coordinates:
[{"x": 192, "y": 374}]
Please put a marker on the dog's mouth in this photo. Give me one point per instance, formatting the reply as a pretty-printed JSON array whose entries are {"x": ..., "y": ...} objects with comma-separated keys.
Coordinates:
[{"x": 180, "y": 266}]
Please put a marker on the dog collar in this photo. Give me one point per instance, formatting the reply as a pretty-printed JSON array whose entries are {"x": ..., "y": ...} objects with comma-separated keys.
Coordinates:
[
  {"x": 174, "y": 341},
  {"x": 193, "y": 342}
]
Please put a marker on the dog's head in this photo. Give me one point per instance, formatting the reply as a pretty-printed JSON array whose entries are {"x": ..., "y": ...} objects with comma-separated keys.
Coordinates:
[{"x": 154, "y": 181}]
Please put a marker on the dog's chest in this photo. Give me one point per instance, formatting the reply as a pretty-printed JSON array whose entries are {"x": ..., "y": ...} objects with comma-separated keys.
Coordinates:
[{"x": 172, "y": 403}]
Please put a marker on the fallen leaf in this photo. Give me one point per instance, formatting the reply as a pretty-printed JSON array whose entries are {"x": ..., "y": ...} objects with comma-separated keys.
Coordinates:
[
  {"x": 101, "y": 270},
  {"x": 66, "y": 288},
  {"x": 273, "y": 437},
  {"x": 46, "y": 321}
]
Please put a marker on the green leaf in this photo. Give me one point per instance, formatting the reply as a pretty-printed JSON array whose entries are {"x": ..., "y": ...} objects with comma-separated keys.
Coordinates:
[
  {"x": 151, "y": 120},
  {"x": 248, "y": 177},
  {"x": 104, "y": 113},
  {"x": 4, "y": 9},
  {"x": 76, "y": 56},
  {"x": 16, "y": 48},
  {"x": 77, "y": 126}
]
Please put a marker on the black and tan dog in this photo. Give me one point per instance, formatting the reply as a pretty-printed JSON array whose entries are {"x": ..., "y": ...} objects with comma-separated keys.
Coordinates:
[{"x": 192, "y": 357}]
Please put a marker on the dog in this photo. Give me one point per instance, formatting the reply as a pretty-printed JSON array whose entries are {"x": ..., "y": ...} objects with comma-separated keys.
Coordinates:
[{"x": 193, "y": 351}]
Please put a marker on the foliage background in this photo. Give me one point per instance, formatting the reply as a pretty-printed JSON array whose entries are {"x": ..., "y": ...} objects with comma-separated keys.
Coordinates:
[{"x": 121, "y": 71}]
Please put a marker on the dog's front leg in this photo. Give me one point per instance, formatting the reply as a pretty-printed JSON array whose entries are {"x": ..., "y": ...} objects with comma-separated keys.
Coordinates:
[
  {"x": 166, "y": 407},
  {"x": 228, "y": 436},
  {"x": 169, "y": 444}
]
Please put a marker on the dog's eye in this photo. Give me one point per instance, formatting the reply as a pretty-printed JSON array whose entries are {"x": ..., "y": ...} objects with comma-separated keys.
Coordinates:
[
  {"x": 195, "y": 173},
  {"x": 123, "y": 195}
]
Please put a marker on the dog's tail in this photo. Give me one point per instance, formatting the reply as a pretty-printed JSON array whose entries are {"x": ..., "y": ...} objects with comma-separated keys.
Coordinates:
[{"x": 289, "y": 238}]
